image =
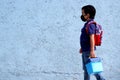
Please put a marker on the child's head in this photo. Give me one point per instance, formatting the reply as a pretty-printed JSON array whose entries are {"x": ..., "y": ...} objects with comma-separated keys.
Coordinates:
[{"x": 88, "y": 12}]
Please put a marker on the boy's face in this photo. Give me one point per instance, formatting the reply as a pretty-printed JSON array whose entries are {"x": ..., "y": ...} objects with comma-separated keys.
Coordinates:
[{"x": 84, "y": 16}]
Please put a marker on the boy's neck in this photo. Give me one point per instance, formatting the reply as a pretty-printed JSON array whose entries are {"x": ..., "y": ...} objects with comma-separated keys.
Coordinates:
[{"x": 88, "y": 19}]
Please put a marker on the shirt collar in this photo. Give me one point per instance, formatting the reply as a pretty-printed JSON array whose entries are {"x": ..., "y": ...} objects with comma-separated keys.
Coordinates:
[{"x": 90, "y": 20}]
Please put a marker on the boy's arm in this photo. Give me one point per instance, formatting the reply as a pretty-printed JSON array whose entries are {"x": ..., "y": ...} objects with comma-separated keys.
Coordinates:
[{"x": 92, "y": 45}]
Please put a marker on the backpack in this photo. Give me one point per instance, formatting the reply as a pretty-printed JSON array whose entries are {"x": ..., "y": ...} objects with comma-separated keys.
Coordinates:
[{"x": 98, "y": 33}]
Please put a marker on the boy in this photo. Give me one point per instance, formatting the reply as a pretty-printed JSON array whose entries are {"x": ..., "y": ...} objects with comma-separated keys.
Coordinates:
[{"x": 87, "y": 39}]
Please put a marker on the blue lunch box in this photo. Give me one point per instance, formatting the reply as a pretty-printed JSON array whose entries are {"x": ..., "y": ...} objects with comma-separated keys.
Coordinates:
[{"x": 94, "y": 66}]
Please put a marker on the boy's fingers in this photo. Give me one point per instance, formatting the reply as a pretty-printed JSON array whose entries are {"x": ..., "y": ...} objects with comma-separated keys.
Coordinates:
[
  {"x": 80, "y": 51},
  {"x": 92, "y": 56}
]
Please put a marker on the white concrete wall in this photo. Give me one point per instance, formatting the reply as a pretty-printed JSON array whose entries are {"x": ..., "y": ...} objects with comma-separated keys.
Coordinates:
[{"x": 39, "y": 39}]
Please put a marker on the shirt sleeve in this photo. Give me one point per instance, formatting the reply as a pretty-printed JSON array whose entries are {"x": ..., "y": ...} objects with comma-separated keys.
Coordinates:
[{"x": 91, "y": 29}]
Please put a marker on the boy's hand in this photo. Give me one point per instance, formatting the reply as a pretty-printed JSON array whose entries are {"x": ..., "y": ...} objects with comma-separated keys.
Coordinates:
[
  {"x": 92, "y": 54},
  {"x": 80, "y": 51}
]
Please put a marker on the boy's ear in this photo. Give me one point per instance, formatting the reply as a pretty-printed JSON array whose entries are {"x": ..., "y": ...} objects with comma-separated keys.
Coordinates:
[{"x": 88, "y": 15}]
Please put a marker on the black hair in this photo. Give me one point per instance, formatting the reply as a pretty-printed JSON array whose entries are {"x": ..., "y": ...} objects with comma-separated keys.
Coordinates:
[{"x": 89, "y": 9}]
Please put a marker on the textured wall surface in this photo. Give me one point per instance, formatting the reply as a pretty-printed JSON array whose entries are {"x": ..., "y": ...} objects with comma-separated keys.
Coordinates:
[{"x": 39, "y": 39}]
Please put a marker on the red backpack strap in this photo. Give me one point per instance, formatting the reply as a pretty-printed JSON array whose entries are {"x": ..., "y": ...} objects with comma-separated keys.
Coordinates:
[{"x": 88, "y": 24}]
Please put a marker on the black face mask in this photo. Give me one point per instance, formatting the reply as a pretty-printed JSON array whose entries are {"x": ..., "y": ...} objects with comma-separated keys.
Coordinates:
[{"x": 82, "y": 18}]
